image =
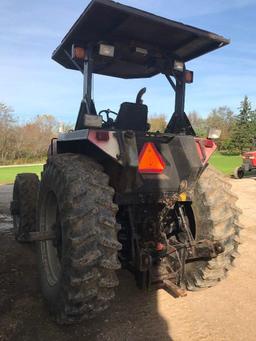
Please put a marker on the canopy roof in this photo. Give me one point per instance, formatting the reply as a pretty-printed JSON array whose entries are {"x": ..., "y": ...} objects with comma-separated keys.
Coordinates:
[{"x": 126, "y": 28}]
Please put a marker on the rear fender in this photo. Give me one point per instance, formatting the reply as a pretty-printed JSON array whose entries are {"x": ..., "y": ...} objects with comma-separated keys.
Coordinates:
[
  {"x": 120, "y": 145},
  {"x": 106, "y": 141}
]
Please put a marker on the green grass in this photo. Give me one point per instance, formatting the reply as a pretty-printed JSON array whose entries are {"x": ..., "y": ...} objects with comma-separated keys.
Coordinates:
[
  {"x": 225, "y": 163},
  {"x": 8, "y": 174}
]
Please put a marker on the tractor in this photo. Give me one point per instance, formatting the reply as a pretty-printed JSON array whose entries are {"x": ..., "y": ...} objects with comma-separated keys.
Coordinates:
[
  {"x": 115, "y": 194},
  {"x": 249, "y": 162}
]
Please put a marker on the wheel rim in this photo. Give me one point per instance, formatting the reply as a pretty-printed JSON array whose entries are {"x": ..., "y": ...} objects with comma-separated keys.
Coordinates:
[
  {"x": 240, "y": 173},
  {"x": 51, "y": 250}
]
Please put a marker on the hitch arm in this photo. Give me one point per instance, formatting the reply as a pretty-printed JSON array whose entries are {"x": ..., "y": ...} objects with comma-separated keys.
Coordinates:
[{"x": 205, "y": 249}]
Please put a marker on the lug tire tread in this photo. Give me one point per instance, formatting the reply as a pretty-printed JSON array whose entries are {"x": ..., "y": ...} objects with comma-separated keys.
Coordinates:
[
  {"x": 212, "y": 189},
  {"x": 88, "y": 285}
]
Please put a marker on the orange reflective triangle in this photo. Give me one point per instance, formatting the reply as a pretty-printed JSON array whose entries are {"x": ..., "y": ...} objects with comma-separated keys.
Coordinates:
[{"x": 150, "y": 161}]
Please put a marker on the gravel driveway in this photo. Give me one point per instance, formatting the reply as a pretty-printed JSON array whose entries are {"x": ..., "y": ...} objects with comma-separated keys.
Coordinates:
[{"x": 225, "y": 312}]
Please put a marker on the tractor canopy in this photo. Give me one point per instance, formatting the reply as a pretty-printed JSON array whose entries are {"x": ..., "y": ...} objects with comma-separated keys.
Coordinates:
[{"x": 140, "y": 44}]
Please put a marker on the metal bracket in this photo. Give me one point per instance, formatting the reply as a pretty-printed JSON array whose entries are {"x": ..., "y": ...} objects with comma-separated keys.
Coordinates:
[
  {"x": 205, "y": 249},
  {"x": 128, "y": 148}
]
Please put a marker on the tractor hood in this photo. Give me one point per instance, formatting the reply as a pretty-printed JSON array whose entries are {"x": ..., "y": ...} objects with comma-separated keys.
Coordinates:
[
  {"x": 252, "y": 153},
  {"x": 132, "y": 32}
]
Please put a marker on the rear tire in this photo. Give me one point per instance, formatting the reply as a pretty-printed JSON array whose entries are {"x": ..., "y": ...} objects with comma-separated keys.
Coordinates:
[
  {"x": 239, "y": 173},
  {"x": 23, "y": 206},
  {"x": 78, "y": 269},
  {"x": 216, "y": 218}
]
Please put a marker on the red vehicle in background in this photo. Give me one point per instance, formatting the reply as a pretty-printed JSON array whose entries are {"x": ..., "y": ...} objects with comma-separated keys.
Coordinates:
[{"x": 249, "y": 162}]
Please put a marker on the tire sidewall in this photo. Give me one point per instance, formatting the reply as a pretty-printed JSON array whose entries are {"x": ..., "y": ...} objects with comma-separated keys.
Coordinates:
[
  {"x": 16, "y": 197},
  {"x": 239, "y": 173},
  {"x": 25, "y": 193},
  {"x": 51, "y": 293}
]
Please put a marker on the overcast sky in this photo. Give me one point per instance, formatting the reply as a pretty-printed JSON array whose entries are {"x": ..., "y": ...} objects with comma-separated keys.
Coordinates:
[{"x": 33, "y": 84}]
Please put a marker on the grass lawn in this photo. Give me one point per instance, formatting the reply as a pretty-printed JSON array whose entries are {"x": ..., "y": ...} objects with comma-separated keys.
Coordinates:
[
  {"x": 225, "y": 163},
  {"x": 8, "y": 174}
]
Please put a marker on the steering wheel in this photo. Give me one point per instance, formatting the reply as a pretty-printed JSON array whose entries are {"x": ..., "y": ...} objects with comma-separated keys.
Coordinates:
[{"x": 109, "y": 122}]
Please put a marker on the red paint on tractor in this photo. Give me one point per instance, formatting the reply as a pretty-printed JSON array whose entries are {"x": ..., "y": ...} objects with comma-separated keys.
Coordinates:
[
  {"x": 205, "y": 148},
  {"x": 250, "y": 156}
]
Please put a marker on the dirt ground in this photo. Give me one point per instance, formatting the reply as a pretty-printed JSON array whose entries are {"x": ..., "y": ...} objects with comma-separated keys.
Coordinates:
[{"x": 225, "y": 312}]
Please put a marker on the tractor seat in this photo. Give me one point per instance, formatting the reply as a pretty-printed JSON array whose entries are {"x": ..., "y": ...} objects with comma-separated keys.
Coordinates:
[{"x": 132, "y": 116}]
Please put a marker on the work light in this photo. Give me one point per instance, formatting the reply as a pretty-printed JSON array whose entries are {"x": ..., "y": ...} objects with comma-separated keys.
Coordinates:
[
  {"x": 214, "y": 133},
  {"x": 142, "y": 51},
  {"x": 107, "y": 50},
  {"x": 178, "y": 66}
]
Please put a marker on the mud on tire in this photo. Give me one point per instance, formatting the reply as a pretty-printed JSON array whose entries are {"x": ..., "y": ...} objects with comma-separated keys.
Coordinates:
[
  {"x": 77, "y": 269},
  {"x": 23, "y": 206},
  {"x": 216, "y": 217}
]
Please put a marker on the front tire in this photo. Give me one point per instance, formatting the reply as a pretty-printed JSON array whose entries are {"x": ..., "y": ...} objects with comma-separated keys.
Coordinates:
[
  {"x": 239, "y": 173},
  {"x": 216, "y": 217},
  {"x": 77, "y": 269}
]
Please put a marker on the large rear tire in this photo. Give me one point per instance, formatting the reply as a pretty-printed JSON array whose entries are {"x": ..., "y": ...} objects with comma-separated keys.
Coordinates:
[
  {"x": 216, "y": 218},
  {"x": 23, "y": 205},
  {"x": 77, "y": 269}
]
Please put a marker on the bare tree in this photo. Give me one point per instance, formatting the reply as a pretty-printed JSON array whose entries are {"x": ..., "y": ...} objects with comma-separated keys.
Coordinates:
[
  {"x": 198, "y": 123},
  {"x": 37, "y": 134},
  {"x": 7, "y": 133},
  {"x": 158, "y": 123},
  {"x": 222, "y": 118}
]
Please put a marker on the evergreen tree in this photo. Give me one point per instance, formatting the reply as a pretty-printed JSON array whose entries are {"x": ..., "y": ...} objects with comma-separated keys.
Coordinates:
[
  {"x": 253, "y": 127},
  {"x": 242, "y": 132}
]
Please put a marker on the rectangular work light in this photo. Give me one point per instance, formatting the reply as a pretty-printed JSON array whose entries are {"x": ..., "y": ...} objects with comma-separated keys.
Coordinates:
[
  {"x": 107, "y": 50},
  {"x": 142, "y": 51},
  {"x": 92, "y": 121},
  {"x": 178, "y": 66},
  {"x": 214, "y": 133}
]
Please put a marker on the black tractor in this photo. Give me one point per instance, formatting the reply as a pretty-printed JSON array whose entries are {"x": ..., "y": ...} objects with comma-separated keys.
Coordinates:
[{"x": 115, "y": 194}]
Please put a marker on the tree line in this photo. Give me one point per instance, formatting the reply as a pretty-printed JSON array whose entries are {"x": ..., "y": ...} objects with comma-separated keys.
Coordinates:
[
  {"x": 27, "y": 142},
  {"x": 238, "y": 130}
]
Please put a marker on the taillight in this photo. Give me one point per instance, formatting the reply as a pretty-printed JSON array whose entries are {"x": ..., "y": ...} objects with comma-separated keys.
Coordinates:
[
  {"x": 102, "y": 135},
  {"x": 150, "y": 160},
  {"x": 208, "y": 143}
]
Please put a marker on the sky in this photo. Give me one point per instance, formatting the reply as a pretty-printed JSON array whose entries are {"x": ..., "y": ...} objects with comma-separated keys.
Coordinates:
[{"x": 33, "y": 84}]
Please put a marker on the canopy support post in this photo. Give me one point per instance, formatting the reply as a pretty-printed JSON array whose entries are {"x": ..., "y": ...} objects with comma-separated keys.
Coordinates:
[
  {"x": 86, "y": 106},
  {"x": 179, "y": 122},
  {"x": 88, "y": 70}
]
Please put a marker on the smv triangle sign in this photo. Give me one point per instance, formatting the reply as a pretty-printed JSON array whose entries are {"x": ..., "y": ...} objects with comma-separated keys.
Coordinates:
[{"x": 150, "y": 161}]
